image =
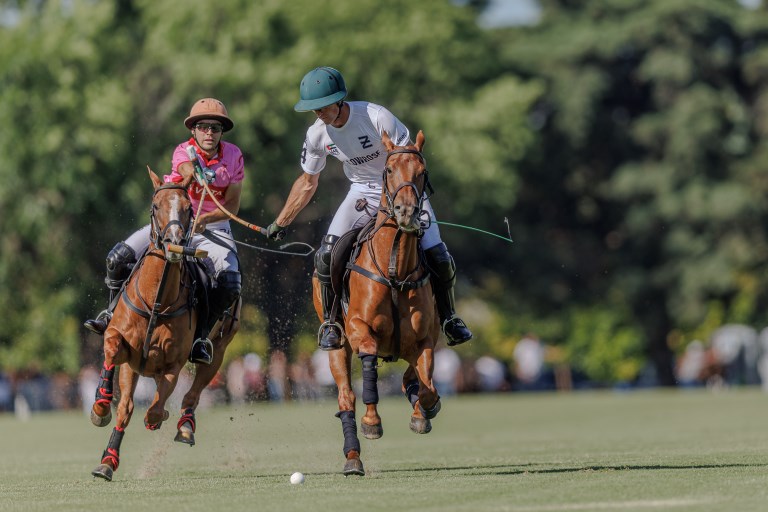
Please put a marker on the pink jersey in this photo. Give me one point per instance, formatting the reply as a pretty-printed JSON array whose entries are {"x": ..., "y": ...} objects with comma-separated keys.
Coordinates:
[{"x": 228, "y": 165}]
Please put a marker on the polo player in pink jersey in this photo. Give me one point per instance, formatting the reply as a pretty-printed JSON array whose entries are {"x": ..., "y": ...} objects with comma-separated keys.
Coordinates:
[{"x": 223, "y": 164}]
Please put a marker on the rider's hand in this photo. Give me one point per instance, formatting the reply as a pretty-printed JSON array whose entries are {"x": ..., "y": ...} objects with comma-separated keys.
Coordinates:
[
  {"x": 275, "y": 231},
  {"x": 209, "y": 175}
]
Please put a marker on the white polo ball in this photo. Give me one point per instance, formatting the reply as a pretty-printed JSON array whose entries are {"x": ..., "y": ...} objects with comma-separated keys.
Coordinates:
[{"x": 297, "y": 478}]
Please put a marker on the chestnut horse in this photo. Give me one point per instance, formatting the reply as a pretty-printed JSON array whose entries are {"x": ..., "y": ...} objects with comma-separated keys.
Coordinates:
[
  {"x": 152, "y": 327},
  {"x": 391, "y": 312}
]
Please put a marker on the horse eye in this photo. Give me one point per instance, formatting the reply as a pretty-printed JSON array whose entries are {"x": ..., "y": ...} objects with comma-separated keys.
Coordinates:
[{"x": 389, "y": 170}]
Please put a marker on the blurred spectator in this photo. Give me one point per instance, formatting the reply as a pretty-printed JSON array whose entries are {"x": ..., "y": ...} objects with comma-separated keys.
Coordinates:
[
  {"x": 762, "y": 362},
  {"x": 6, "y": 393},
  {"x": 321, "y": 370},
  {"x": 254, "y": 378},
  {"x": 529, "y": 363},
  {"x": 492, "y": 374},
  {"x": 735, "y": 350},
  {"x": 236, "y": 381},
  {"x": 691, "y": 365},
  {"x": 302, "y": 379},
  {"x": 277, "y": 380},
  {"x": 446, "y": 371},
  {"x": 33, "y": 388}
]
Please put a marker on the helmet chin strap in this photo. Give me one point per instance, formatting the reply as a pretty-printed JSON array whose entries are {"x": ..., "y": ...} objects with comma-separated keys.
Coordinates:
[{"x": 341, "y": 107}]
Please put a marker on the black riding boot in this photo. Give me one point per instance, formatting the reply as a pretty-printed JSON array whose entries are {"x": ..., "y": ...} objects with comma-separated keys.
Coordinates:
[
  {"x": 220, "y": 299},
  {"x": 120, "y": 262},
  {"x": 443, "y": 270},
  {"x": 330, "y": 334}
]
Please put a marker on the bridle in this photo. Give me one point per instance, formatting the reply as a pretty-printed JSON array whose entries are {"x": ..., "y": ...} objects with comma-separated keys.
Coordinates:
[
  {"x": 157, "y": 235},
  {"x": 390, "y": 208}
]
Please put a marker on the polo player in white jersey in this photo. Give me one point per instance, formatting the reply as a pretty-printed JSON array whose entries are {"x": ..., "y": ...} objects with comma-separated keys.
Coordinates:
[{"x": 351, "y": 131}]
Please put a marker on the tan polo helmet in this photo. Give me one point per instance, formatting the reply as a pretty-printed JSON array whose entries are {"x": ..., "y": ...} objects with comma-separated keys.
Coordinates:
[{"x": 209, "y": 108}]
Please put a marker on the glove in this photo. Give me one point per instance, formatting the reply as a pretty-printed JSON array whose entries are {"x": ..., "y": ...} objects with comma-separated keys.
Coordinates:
[
  {"x": 209, "y": 175},
  {"x": 275, "y": 231}
]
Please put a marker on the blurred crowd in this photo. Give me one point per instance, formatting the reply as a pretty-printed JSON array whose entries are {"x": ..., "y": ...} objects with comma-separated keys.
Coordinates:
[{"x": 734, "y": 355}]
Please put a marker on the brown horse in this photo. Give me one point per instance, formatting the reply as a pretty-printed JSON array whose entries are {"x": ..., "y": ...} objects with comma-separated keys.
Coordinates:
[
  {"x": 391, "y": 311},
  {"x": 151, "y": 331}
]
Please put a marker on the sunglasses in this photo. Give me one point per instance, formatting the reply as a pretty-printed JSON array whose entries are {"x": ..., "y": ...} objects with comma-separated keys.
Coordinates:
[{"x": 208, "y": 127}]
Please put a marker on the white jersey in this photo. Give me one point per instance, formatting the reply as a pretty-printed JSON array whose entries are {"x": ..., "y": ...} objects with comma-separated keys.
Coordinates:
[{"x": 357, "y": 144}]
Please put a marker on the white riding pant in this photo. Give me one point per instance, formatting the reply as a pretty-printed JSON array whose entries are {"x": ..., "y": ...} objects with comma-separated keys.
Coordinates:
[
  {"x": 219, "y": 258},
  {"x": 347, "y": 216}
]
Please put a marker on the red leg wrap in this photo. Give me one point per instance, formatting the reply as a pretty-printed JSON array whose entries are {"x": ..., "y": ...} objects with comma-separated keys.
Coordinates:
[
  {"x": 110, "y": 455},
  {"x": 188, "y": 416}
]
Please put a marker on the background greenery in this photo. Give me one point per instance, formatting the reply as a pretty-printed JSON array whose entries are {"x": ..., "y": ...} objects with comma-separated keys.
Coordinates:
[{"x": 624, "y": 141}]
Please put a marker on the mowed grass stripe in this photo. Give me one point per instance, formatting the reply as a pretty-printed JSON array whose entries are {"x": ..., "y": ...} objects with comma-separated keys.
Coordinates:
[{"x": 654, "y": 450}]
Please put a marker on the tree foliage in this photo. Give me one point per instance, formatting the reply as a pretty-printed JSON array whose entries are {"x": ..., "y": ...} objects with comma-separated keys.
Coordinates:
[{"x": 622, "y": 140}]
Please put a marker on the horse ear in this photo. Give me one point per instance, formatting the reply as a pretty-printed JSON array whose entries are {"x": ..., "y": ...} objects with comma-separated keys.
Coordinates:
[
  {"x": 420, "y": 139},
  {"x": 387, "y": 142},
  {"x": 156, "y": 181}
]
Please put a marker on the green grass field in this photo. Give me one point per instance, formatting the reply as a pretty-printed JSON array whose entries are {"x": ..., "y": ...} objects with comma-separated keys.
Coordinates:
[{"x": 636, "y": 451}]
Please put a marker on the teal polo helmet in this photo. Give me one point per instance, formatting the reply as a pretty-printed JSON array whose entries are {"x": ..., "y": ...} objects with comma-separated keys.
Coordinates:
[{"x": 319, "y": 88}]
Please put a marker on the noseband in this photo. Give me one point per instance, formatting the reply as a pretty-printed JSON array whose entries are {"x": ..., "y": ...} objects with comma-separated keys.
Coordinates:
[
  {"x": 390, "y": 209},
  {"x": 158, "y": 235}
]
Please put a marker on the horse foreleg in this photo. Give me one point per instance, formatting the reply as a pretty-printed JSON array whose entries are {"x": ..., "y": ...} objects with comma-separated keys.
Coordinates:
[
  {"x": 101, "y": 411},
  {"x": 340, "y": 362},
  {"x": 110, "y": 459},
  {"x": 370, "y": 423}
]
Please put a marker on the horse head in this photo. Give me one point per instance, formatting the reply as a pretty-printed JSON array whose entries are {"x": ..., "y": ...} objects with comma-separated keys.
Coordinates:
[
  {"x": 171, "y": 216},
  {"x": 405, "y": 180}
]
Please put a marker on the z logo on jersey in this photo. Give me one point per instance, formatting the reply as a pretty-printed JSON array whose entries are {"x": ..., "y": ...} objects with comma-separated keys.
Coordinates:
[
  {"x": 365, "y": 141},
  {"x": 332, "y": 149}
]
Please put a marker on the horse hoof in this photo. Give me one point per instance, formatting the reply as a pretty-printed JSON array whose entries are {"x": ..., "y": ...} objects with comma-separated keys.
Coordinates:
[
  {"x": 103, "y": 471},
  {"x": 101, "y": 421},
  {"x": 156, "y": 426},
  {"x": 430, "y": 413},
  {"x": 185, "y": 437},
  {"x": 354, "y": 467},
  {"x": 421, "y": 425},
  {"x": 371, "y": 431}
]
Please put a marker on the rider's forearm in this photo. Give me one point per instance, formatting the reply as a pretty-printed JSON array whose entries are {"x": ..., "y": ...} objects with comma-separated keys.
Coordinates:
[{"x": 301, "y": 193}]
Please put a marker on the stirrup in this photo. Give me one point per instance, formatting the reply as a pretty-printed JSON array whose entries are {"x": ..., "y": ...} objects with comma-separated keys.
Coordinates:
[
  {"x": 201, "y": 352},
  {"x": 452, "y": 328},
  {"x": 327, "y": 327}
]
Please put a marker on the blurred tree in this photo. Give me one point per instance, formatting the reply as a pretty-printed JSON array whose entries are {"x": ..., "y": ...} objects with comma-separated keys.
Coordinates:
[{"x": 649, "y": 128}]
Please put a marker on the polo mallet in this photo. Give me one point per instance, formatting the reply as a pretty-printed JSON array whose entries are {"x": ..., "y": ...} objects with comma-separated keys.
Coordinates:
[{"x": 201, "y": 179}]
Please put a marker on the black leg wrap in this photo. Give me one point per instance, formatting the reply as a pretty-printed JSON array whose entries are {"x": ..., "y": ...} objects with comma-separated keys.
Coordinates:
[
  {"x": 412, "y": 392},
  {"x": 112, "y": 453},
  {"x": 349, "y": 427},
  {"x": 104, "y": 389},
  {"x": 370, "y": 379}
]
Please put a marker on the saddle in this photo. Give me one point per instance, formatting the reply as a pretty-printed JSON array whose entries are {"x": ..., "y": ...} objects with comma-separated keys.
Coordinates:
[{"x": 346, "y": 250}]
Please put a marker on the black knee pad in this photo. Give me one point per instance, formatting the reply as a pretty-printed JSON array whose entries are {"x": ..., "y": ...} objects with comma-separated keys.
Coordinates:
[
  {"x": 441, "y": 265},
  {"x": 120, "y": 262},
  {"x": 370, "y": 379},
  {"x": 323, "y": 259},
  {"x": 227, "y": 291}
]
